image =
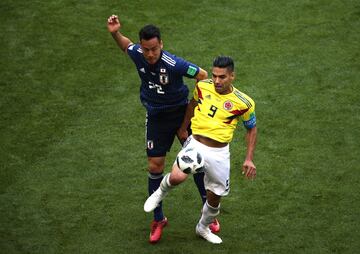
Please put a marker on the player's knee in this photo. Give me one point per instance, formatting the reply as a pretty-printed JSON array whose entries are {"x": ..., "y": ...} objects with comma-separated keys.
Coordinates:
[
  {"x": 156, "y": 164},
  {"x": 213, "y": 199},
  {"x": 177, "y": 176}
]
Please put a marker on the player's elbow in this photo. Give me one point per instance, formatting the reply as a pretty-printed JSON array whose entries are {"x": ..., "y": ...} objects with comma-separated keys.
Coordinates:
[
  {"x": 202, "y": 75},
  {"x": 252, "y": 131}
]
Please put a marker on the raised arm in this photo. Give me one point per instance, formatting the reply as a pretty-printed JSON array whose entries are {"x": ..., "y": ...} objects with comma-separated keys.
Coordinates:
[{"x": 113, "y": 26}]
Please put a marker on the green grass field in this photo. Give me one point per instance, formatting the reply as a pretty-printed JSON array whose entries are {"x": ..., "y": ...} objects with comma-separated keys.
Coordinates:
[{"x": 73, "y": 166}]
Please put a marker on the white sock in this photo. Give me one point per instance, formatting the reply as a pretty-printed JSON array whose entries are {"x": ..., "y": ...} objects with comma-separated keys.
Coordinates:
[
  {"x": 165, "y": 185},
  {"x": 208, "y": 215}
]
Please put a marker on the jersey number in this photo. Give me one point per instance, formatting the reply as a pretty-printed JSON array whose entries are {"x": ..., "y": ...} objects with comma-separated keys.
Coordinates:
[
  {"x": 213, "y": 111},
  {"x": 158, "y": 88}
]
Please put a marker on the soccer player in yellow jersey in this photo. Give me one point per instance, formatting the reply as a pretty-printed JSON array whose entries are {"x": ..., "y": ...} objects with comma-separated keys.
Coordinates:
[{"x": 215, "y": 110}]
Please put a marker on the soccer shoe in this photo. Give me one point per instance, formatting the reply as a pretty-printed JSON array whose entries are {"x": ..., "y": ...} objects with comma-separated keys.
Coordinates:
[
  {"x": 156, "y": 230},
  {"x": 205, "y": 233},
  {"x": 153, "y": 201},
  {"x": 215, "y": 226}
]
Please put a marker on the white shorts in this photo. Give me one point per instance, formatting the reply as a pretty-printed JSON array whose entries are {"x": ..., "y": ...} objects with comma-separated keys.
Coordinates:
[{"x": 217, "y": 166}]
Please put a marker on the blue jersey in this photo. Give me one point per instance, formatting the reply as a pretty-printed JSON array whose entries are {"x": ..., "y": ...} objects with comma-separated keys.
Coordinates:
[{"x": 162, "y": 85}]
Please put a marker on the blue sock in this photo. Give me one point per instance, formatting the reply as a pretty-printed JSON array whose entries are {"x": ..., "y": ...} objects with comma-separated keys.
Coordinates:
[
  {"x": 153, "y": 184},
  {"x": 199, "y": 181}
]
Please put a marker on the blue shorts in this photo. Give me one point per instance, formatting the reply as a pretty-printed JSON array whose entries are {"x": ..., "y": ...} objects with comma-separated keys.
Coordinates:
[{"x": 161, "y": 131}]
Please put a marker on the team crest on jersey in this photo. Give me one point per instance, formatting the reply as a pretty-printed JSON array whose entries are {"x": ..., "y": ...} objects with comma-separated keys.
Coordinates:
[
  {"x": 228, "y": 105},
  {"x": 164, "y": 78},
  {"x": 150, "y": 144}
]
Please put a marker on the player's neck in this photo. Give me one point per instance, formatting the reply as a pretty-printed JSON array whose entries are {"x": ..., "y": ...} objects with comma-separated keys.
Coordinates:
[{"x": 230, "y": 90}]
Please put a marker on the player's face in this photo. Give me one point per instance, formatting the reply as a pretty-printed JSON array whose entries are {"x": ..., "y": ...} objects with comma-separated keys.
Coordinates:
[
  {"x": 151, "y": 49},
  {"x": 222, "y": 79}
]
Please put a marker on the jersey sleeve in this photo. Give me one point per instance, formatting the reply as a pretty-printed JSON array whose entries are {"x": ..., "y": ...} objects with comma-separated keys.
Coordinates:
[
  {"x": 133, "y": 50},
  {"x": 197, "y": 94},
  {"x": 186, "y": 68},
  {"x": 249, "y": 117}
]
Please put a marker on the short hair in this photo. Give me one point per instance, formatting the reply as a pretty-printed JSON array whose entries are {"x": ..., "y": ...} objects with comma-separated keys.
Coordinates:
[
  {"x": 224, "y": 62},
  {"x": 148, "y": 32}
]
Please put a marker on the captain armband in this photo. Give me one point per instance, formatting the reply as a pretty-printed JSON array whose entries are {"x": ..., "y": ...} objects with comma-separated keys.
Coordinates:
[{"x": 251, "y": 123}]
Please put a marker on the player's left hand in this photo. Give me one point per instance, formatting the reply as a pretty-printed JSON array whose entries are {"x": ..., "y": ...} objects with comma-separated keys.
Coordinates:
[{"x": 249, "y": 169}]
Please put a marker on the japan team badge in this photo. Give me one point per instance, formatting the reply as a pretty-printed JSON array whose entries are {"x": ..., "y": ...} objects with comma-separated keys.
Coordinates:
[{"x": 164, "y": 78}]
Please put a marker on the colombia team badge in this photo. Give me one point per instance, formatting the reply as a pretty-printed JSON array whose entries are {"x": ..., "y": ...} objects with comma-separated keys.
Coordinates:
[{"x": 228, "y": 105}]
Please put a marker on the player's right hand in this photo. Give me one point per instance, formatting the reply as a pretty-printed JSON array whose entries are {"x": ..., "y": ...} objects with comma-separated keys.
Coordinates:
[
  {"x": 113, "y": 24},
  {"x": 182, "y": 135},
  {"x": 249, "y": 169}
]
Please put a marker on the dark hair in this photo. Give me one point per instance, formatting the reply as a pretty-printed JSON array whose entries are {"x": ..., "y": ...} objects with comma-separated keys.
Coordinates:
[
  {"x": 224, "y": 62},
  {"x": 148, "y": 32}
]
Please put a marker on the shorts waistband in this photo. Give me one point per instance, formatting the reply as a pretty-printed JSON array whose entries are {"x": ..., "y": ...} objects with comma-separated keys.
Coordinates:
[{"x": 208, "y": 148}]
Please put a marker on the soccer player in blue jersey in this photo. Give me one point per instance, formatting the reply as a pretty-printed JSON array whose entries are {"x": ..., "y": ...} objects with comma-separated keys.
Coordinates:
[{"x": 165, "y": 97}]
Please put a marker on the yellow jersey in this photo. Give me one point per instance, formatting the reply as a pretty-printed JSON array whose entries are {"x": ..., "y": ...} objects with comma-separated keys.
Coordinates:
[{"x": 216, "y": 115}]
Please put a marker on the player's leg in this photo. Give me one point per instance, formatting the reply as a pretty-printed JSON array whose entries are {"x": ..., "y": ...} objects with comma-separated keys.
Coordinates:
[
  {"x": 210, "y": 210},
  {"x": 156, "y": 168},
  {"x": 156, "y": 151},
  {"x": 169, "y": 181},
  {"x": 199, "y": 182},
  {"x": 216, "y": 180}
]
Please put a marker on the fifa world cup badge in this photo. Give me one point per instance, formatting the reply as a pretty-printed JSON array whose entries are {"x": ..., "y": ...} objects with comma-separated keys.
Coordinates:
[{"x": 164, "y": 78}]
